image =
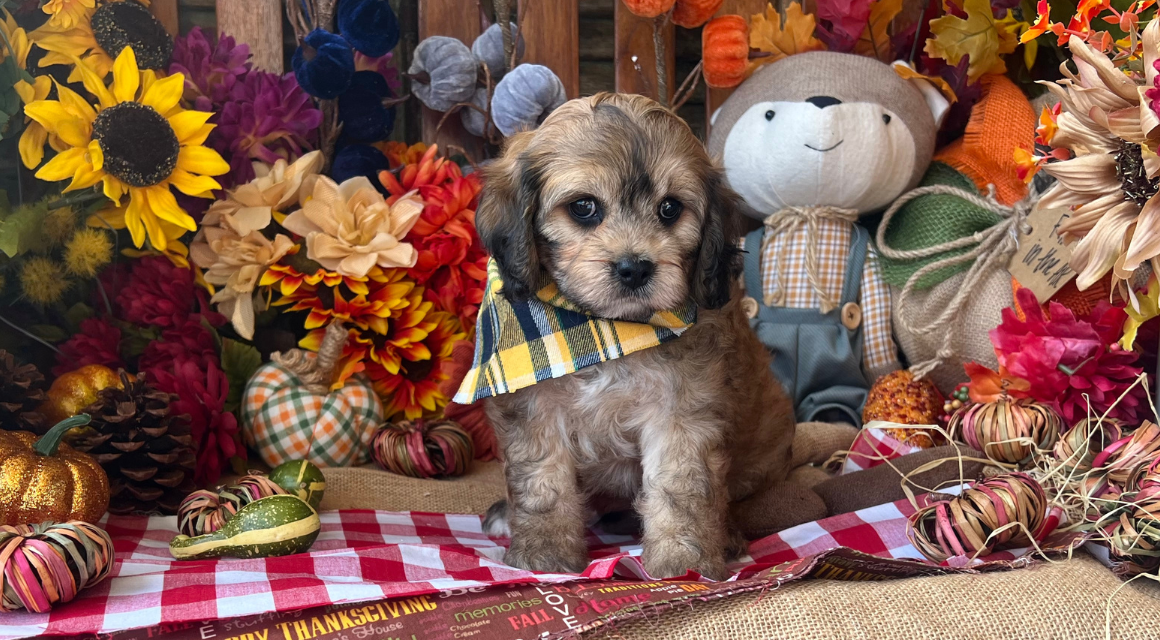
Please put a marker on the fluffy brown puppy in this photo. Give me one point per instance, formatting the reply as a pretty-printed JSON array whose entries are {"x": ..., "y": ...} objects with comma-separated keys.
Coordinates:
[{"x": 614, "y": 199}]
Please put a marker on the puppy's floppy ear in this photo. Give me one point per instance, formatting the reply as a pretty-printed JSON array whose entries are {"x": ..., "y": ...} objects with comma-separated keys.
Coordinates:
[
  {"x": 506, "y": 217},
  {"x": 718, "y": 260}
]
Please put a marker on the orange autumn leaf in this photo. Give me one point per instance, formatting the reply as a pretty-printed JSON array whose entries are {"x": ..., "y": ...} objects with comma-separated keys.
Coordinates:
[
  {"x": 980, "y": 36},
  {"x": 988, "y": 385},
  {"x": 875, "y": 40},
  {"x": 907, "y": 72},
  {"x": 768, "y": 34}
]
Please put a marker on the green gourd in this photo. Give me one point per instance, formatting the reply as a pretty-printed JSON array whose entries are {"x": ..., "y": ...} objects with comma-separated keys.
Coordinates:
[
  {"x": 279, "y": 525},
  {"x": 300, "y": 478}
]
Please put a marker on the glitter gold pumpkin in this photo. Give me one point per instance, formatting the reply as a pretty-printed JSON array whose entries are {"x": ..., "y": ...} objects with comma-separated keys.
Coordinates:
[
  {"x": 47, "y": 480},
  {"x": 77, "y": 389}
]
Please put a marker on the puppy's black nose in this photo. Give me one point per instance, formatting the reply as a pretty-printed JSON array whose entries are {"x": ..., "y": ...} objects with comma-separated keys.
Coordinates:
[
  {"x": 822, "y": 102},
  {"x": 634, "y": 272}
]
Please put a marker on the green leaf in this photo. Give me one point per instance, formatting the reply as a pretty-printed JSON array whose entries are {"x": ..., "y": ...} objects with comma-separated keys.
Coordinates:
[
  {"x": 78, "y": 313},
  {"x": 239, "y": 362},
  {"x": 48, "y": 332},
  {"x": 21, "y": 230}
]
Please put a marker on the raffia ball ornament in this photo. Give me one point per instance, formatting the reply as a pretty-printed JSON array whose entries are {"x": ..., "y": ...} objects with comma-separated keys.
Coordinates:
[
  {"x": 47, "y": 564},
  {"x": 1078, "y": 446},
  {"x": 291, "y": 410},
  {"x": 966, "y": 525},
  {"x": 1133, "y": 529},
  {"x": 423, "y": 449},
  {"x": 1118, "y": 460},
  {"x": 443, "y": 72},
  {"x": 1008, "y": 431},
  {"x": 488, "y": 49},
  {"x": 205, "y": 511},
  {"x": 524, "y": 97}
]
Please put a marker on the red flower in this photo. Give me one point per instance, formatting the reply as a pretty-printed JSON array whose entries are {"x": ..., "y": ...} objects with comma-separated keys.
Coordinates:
[
  {"x": 160, "y": 294},
  {"x": 201, "y": 396},
  {"x": 452, "y": 262},
  {"x": 97, "y": 343},
  {"x": 188, "y": 341},
  {"x": 1068, "y": 362}
]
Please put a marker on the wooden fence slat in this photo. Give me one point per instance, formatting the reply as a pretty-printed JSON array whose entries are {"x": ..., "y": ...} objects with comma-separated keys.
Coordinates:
[
  {"x": 457, "y": 19},
  {"x": 166, "y": 12},
  {"x": 551, "y": 32},
  {"x": 636, "y": 70},
  {"x": 715, "y": 97},
  {"x": 257, "y": 23}
]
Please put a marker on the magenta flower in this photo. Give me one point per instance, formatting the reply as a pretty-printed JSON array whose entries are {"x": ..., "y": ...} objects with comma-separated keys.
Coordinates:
[
  {"x": 1065, "y": 358},
  {"x": 210, "y": 71},
  {"x": 98, "y": 342},
  {"x": 161, "y": 295},
  {"x": 267, "y": 117},
  {"x": 201, "y": 397}
]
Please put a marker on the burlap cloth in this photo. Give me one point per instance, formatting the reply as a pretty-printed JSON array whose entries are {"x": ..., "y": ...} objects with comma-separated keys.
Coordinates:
[
  {"x": 1063, "y": 600},
  {"x": 370, "y": 488}
]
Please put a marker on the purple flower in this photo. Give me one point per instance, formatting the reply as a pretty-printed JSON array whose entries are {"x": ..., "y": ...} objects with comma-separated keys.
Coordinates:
[
  {"x": 384, "y": 66},
  {"x": 211, "y": 72},
  {"x": 267, "y": 117},
  {"x": 1153, "y": 94}
]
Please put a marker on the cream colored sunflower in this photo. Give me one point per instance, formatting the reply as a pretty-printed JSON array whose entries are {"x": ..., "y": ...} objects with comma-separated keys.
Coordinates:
[
  {"x": 1112, "y": 182},
  {"x": 137, "y": 141}
]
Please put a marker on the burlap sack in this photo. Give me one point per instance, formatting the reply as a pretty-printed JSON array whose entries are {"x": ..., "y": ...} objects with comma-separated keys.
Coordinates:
[
  {"x": 1062, "y": 600},
  {"x": 971, "y": 341},
  {"x": 371, "y": 488}
]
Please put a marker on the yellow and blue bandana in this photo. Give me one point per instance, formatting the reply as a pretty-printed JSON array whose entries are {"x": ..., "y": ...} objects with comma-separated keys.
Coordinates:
[{"x": 522, "y": 343}]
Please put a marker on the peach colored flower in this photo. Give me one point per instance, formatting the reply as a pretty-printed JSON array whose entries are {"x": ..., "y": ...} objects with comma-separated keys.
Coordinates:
[{"x": 350, "y": 228}]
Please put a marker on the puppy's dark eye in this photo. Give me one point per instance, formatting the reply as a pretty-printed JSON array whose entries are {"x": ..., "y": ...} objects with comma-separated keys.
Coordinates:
[
  {"x": 886, "y": 118},
  {"x": 769, "y": 114},
  {"x": 585, "y": 211},
  {"x": 669, "y": 210}
]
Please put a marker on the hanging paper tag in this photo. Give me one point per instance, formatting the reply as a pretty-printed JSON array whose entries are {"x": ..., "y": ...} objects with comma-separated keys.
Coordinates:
[{"x": 1041, "y": 261}]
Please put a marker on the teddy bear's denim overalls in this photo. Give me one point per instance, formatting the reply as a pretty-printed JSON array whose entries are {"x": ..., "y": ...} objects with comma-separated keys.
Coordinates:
[{"x": 815, "y": 356}]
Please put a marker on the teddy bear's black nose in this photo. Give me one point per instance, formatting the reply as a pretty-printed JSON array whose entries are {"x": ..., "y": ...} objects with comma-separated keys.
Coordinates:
[{"x": 822, "y": 102}]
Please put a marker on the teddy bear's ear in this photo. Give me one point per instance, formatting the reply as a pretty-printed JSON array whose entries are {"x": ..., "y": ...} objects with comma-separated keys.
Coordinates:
[{"x": 935, "y": 100}]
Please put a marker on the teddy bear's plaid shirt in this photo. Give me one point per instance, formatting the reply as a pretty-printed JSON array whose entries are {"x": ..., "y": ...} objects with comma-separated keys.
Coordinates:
[{"x": 878, "y": 351}]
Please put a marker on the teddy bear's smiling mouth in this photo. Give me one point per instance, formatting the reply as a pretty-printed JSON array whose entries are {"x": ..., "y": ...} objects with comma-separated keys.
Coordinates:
[{"x": 827, "y": 148}]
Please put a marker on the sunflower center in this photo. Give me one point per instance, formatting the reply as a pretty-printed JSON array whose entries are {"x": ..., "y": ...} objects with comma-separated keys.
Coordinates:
[
  {"x": 117, "y": 25},
  {"x": 140, "y": 146},
  {"x": 418, "y": 371},
  {"x": 1134, "y": 180}
]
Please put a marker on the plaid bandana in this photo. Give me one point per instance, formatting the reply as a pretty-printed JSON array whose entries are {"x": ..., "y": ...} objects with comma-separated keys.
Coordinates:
[{"x": 520, "y": 344}]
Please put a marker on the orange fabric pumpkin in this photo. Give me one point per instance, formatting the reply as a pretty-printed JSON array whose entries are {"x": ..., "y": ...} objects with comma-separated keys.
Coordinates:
[
  {"x": 649, "y": 8},
  {"x": 691, "y": 14},
  {"x": 725, "y": 51}
]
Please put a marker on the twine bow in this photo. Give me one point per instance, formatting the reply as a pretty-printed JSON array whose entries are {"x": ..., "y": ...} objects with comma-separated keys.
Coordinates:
[
  {"x": 992, "y": 248},
  {"x": 788, "y": 221}
]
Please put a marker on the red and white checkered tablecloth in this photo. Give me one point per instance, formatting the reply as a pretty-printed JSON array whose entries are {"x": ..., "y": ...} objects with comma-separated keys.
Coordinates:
[
  {"x": 873, "y": 447},
  {"x": 364, "y": 555}
]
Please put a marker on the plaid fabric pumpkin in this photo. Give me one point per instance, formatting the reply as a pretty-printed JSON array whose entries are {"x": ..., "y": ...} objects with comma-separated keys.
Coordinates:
[{"x": 284, "y": 420}]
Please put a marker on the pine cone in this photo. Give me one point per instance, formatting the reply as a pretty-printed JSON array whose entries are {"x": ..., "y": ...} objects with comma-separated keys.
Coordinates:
[
  {"x": 147, "y": 453},
  {"x": 21, "y": 392}
]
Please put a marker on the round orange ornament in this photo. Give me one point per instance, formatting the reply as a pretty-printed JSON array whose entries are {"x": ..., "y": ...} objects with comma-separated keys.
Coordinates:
[
  {"x": 691, "y": 14},
  {"x": 898, "y": 397},
  {"x": 77, "y": 389},
  {"x": 648, "y": 8}
]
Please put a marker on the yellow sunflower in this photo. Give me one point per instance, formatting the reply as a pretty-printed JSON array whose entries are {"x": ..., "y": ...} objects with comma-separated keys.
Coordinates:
[
  {"x": 32, "y": 140},
  {"x": 67, "y": 13},
  {"x": 101, "y": 34},
  {"x": 137, "y": 141}
]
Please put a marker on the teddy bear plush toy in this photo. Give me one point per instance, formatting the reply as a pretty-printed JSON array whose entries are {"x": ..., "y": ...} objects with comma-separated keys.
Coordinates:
[{"x": 812, "y": 143}]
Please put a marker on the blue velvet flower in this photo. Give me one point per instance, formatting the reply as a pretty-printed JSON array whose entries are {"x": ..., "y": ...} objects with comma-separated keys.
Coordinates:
[
  {"x": 323, "y": 64},
  {"x": 361, "y": 110},
  {"x": 370, "y": 26},
  {"x": 359, "y": 160}
]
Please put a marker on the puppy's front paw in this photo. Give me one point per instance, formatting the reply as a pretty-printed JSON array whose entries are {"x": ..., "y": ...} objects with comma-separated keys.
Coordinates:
[
  {"x": 536, "y": 553},
  {"x": 669, "y": 558}
]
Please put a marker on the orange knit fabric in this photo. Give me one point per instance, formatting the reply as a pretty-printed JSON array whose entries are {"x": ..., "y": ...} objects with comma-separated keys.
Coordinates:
[{"x": 1001, "y": 121}]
